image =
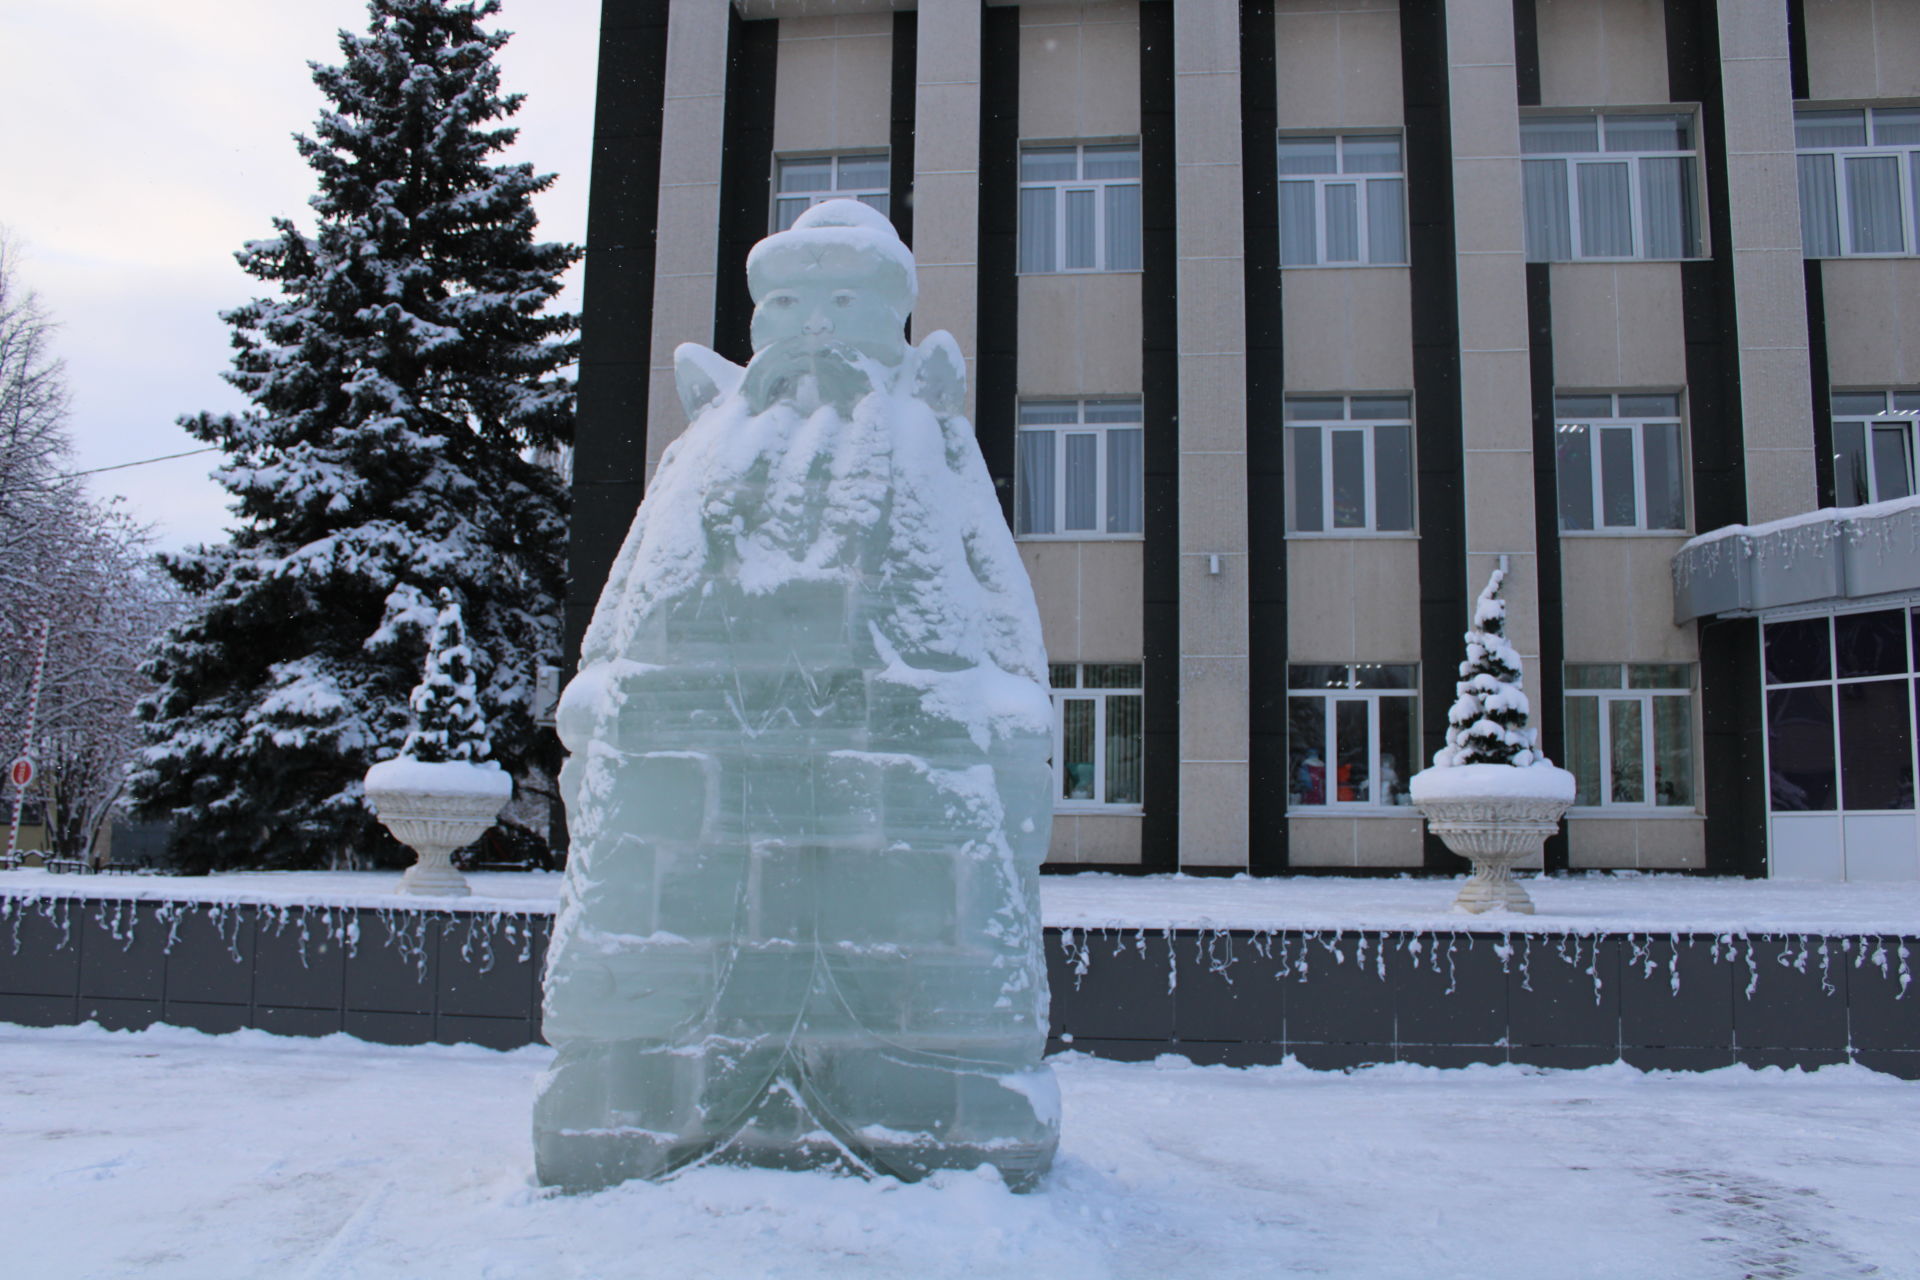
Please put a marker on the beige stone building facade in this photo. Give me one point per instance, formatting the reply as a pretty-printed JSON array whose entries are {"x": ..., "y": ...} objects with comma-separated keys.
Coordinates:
[{"x": 1288, "y": 320}]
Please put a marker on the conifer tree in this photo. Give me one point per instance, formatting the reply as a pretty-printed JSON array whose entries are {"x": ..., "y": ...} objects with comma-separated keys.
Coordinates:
[
  {"x": 1487, "y": 723},
  {"x": 448, "y": 723},
  {"x": 403, "y": 376}
]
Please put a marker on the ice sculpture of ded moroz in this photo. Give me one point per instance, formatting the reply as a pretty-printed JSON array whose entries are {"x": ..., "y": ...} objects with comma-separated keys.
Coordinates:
[{"x": 807, "y": 784}]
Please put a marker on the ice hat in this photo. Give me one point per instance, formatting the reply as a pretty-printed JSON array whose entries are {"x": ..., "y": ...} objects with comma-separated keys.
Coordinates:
[{"x": 843, "y": 237}]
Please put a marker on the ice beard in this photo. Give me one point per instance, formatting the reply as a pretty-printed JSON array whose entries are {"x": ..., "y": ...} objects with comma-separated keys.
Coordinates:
[
  {"x": 808, "y": 372},
  {"x": 808, "y": 788}
]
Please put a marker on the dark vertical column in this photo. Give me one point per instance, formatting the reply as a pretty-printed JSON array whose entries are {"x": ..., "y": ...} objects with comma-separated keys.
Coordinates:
[
  {"x": 1549, "y": 707},
  {"x": 746, "y": 175},
  {"x": 1266, "y": 447},
  {"x": 610, "y": 427},
  {"x": 1526, "y": 51},
  {"x": 1732, "y": 725},
  {"x": 1707, "y": 301},
  {"x": 1822, "y": 380},
  {"x": 997, "y": 300},
  {"x": 1816, "y": 288},
  {"x": 1797, "y": 49},
  {"x": 1436, "y": 371},
  {"x": 1160, "y": 395},
  {"x": 1734, "y": 797},
  {"x": 903, "y": 102}
]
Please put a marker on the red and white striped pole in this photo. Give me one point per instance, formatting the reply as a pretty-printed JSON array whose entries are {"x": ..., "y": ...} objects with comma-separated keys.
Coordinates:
[{"x": 21, "y": 772}]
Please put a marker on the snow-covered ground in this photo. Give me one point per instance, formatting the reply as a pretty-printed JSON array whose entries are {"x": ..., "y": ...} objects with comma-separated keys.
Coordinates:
[
  {"x": 167, "y": 1153},
  {"x": 1567, "y": 904}
]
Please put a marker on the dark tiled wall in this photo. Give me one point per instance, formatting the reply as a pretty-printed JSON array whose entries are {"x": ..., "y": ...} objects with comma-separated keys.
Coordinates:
[
  {"x": 1349, "y": 999},
  {"x": 397, "y": 977},
  {"x": 1332, "y": 1000}
]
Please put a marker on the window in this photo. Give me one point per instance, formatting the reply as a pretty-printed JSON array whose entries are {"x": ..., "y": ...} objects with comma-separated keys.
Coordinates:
[
  {"x": 1873, "y": 445},
  {"x": 1361, "y": 718},
  {"x": 1078, "y": 470},
  {"x": 803, "y": 182},
  {"x": 1858, "y": 176},
  {"x": 1342, "y": 200},
  {"x": 1099, "y": 734},
  {"x": 1630, "y": 734},
  {"x": 1618, "y": 458},
  {"x": 1840, "y": 688},
  {"x": 1615, "y": 186},
  {"x": 1080, "y": 208},
  {"x": 1352, "y": 463}
]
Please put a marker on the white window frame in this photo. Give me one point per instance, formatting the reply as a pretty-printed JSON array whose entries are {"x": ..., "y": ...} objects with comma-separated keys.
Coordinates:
[
  {"x": 1060, "y": 695},
  {"x": 1351, "y": 692},
  {"x": 1358, "y": 179},
  {"x": 1102, "y": 498},
  {"x": 1906, "y": 156},
  {"x": 1643, "y": 697},
  {"x": 1061, "y": 187},
  {"x": 1369, "y": 453},
  {"x": 1636, "y": 213},
  {"x": 1597, "y": 490},
  {"x": 1901, "y": 408},
  {"x": 865, "y": 195}
]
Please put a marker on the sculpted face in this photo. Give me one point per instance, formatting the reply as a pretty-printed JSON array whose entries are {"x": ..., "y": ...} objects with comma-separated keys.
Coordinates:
[{"x": 817, "y": 311}]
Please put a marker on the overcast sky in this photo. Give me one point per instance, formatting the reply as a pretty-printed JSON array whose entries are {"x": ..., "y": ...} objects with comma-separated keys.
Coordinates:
[{"x": 142, "y": 142}]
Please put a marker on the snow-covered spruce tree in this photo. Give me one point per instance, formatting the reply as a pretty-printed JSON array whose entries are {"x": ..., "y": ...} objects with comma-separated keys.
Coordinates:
[
  {"x": 1488, "y": 721},
  {"x": 401, "y": 378},
  {"x": 448, "y": 723}
]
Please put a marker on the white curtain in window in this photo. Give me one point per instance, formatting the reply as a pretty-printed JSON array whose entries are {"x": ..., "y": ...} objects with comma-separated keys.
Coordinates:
[
  {"x": 1125, "y": 481},
  {"x": 1123, "y": 228},
  {"x": 1083, "y": 482},
  {"x": 1036, "y": 229},
  {"x": 1873, "y": 204},
  {"x": 1386, "y": 220},
  {"x": 1666, "y": 206},
  {"x": 1549, "y": 236},
  {"x": 1296, "y": 225},
  {"x": 1606, "y": 218},
  {"x": 1343, "y": 222},
  {"x": 1819, "y": 208},
  {"x": 1033, "y": 499},
  {"x": 1079, "y": 255}
]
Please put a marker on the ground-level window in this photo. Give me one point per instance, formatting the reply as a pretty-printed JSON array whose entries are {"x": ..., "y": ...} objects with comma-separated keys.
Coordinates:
[
  {"x": 1352, "y": 734},
  {"x": 1099, "y": 735},
  {"x": 1079, "y": 469},
  {"x": 1840, "y": 701},
  {"x": 804, "y": 181},
  {"x": 1352, "y": 464},
  {"x": 1630, "y": 734},
  {"x": 1873, "y": 445},
  {"x": 1618, "y": 460}
]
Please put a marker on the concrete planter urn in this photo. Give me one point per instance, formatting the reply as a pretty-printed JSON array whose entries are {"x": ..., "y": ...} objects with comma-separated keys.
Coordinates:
[
  {"x": 434, "y": 808},
  {"x": 1493, "y": 815}
]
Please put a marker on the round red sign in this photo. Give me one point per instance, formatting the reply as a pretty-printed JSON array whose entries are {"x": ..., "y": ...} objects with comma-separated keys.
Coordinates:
[{"x": 21, "y": 772}]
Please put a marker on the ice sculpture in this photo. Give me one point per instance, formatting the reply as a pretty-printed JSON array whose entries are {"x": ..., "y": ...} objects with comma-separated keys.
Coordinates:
[{"x": 808, "y": 788}]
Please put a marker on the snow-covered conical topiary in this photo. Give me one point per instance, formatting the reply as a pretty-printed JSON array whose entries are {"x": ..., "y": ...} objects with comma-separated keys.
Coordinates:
[
  {"x": 448, "y": 721},
  {"x": 1488, "y": 721}
]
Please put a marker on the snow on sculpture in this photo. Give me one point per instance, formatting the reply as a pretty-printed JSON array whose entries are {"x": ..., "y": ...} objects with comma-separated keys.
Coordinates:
[{"x": 808, "y": 787}]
